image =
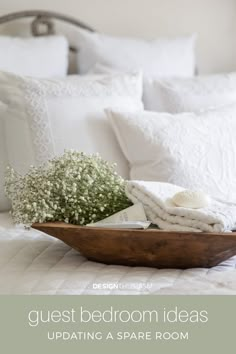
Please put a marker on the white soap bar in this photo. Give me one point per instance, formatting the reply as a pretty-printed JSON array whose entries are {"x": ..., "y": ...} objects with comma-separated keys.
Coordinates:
[{"x": 191, "y": 199}]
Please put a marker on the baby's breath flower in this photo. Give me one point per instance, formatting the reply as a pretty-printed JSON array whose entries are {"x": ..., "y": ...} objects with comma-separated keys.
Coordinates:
[{"x": 74, "y": 188}]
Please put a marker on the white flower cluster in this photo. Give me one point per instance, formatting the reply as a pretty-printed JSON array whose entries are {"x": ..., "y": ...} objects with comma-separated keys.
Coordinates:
[{"x": 74, "y": 188}]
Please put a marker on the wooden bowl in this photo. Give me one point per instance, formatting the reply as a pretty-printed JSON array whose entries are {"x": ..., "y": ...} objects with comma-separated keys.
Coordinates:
[{"x": 149, "y": 248}]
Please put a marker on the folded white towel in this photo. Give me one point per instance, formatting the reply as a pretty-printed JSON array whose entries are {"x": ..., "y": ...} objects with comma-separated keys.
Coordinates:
[{"x": 156, "y": 199}]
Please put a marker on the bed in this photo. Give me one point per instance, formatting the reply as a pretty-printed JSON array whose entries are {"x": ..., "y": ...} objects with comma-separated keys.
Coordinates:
[{"x": 34, "y": 263}]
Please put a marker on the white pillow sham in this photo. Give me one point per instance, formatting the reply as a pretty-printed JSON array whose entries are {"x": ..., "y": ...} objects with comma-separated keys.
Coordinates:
[
  {"x": 39, "y": 57},
  {"x": 195, "y": 151},
  {"x": 44, "y": 117},
  {"x": 155, "y": 58},
  {"x": 176, "y": 95}
]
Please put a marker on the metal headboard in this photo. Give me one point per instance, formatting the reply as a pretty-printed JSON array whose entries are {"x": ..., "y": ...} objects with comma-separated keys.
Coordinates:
[{"x": 45, "y": 20}]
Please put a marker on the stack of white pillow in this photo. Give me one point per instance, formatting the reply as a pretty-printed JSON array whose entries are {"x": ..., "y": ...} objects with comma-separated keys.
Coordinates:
[
  {"x": 38, "y": 57},
  {"x": 187, "y": 139}
]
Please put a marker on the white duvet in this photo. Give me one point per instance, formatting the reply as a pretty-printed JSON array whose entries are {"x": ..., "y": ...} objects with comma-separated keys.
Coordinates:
[{"x": 34, "y": 263}]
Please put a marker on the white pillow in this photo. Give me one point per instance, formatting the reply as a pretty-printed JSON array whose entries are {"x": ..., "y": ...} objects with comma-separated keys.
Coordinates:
[
  {"x": 44, "y": 117},
  {"x": 178, "y": 95},
  {"x": 38, "y": 57},
  {"x": 155, "y": 58},
  {"x": 195, "y": 151}
]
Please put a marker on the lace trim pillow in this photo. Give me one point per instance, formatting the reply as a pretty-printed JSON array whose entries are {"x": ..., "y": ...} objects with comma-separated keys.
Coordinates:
[{"x": 44, "y": 117}]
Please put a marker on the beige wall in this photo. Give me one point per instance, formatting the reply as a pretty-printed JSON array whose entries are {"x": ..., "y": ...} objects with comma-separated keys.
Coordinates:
[{"x": 213, "y": 20}]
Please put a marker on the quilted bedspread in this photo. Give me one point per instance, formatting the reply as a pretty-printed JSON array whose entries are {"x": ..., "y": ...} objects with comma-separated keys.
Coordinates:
[{"x": 34, "y": 263}]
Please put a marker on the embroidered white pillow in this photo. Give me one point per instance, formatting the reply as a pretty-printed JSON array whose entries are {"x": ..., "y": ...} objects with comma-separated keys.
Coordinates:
[
  {"x": 44, "y": 117},
  {"x": 38, "y": 57},
  {"x": 195, "y": 151},
  {"x": 178, "y": 95},
  {"x": 160, "y": 57}
]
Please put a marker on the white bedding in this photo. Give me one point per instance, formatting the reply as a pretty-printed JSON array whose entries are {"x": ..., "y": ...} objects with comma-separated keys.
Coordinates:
[{"x": 34, "y": 263}]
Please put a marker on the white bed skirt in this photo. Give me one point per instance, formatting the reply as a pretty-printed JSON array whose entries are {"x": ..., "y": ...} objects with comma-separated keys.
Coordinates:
[{"x": 34, "y": 263}]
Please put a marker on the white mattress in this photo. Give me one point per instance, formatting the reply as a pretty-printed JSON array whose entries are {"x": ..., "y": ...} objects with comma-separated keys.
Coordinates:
[{"x": 34, "y": 263}]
